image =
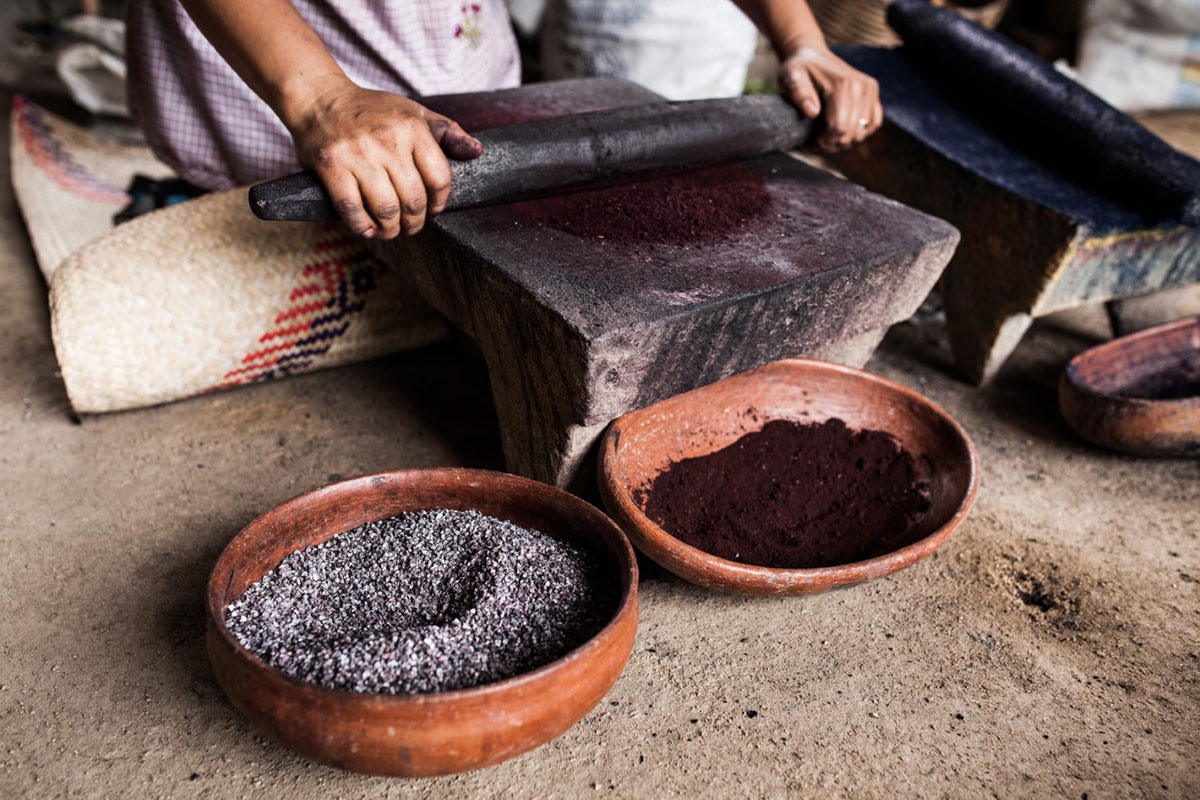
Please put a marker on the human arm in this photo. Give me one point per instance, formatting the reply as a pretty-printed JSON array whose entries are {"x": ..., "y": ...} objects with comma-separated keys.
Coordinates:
[
  {"x": 813, "y": 77},
  {"x": 381, "y": 156}
]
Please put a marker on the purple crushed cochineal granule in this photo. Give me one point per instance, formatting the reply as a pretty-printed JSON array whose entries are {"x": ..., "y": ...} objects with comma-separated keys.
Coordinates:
[{"x": 428, "y": 601}]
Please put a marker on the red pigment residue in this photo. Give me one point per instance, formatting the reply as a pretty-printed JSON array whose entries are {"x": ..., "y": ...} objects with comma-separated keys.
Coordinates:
[
  {"x": 475, "y": 116},
  {"x": 794, "y": 496},
  {"x": 678, "y": 209},
  {"x": 479, "y": 112},
  {"x": 477, "y": 120}
]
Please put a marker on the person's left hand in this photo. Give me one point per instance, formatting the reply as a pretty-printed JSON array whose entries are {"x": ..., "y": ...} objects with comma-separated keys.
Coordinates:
[{"x": 813, "y": 77}]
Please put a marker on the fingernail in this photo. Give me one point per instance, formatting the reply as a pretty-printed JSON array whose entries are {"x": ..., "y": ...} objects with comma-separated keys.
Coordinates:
[
  {"x": 369, "y": 233},
  {"x": 811, "y": 108}
]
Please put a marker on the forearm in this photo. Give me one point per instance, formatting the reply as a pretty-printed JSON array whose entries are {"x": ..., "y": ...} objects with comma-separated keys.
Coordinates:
[
  {"x": 272, "y": 48},
  {"x": 380, "y": 155},
  {"x": 788, "y": 24}
]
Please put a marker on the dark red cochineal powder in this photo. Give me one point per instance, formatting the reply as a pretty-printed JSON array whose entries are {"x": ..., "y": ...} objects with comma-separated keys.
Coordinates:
[
  {"x": 794, "y": 496},
  {"x": 680, "y": 209}
]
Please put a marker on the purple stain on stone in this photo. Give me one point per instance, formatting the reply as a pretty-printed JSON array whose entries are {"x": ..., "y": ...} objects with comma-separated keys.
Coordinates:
[{"x": 691, "y": 207}]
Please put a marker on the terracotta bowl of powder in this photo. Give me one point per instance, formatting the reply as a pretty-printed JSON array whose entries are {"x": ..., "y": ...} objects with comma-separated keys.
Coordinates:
[
  {"x": 1140, "y": 393},
  {"x": 421, "y": 734},
  {"x": 641, "y": 450}
]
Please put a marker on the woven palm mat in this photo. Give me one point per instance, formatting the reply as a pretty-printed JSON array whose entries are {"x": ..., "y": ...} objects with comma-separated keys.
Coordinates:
[
  {"x": 197, "y": 296},
  {"x": 68, "y": 181}
]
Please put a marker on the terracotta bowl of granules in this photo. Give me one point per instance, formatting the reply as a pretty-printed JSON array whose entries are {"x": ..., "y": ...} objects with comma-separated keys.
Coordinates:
[
  {"x": 792, "y": 479},
  {"x": 433, "y": 733},
  {"x": 1140, "y": 393}
]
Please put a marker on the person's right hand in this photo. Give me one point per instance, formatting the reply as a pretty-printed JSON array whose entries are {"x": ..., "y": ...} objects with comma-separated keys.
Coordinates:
[
  {"x": 814, "y": 75},
  {"x": 381, "y": 156}
]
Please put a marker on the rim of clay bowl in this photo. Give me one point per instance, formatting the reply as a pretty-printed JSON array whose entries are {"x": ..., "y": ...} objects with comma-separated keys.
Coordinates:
[
  {"x": 628, "y": 596},
  {"x": 1122, "y": 343},
  {"x": 755, "y": 579}
]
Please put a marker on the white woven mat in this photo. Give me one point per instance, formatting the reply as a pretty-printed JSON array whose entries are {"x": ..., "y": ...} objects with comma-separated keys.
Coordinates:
[
  {"x": 68, "y": 181},
  {"x": 198, "y": 296}
]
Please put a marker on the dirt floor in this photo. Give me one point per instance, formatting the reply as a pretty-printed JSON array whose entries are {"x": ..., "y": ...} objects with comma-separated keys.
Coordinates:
[{"x": 1052, "y": 647}]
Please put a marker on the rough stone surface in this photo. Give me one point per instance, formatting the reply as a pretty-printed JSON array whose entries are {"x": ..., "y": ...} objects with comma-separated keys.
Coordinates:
[{"x": 1048, "y": 649}]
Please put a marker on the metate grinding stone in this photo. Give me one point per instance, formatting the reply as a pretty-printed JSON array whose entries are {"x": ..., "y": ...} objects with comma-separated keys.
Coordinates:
[
  {"x": 1035, "y": 241},
  {"x": 700, "y": 276}
]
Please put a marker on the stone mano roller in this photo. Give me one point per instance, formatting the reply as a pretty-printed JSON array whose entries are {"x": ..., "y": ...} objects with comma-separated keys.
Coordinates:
[
  {"x": 596, "y": 148},
  {"x": 1050, "y": 114}
]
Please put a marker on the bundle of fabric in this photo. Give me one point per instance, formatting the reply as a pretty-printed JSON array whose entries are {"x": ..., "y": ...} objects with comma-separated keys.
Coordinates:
[
  {"x": 1142, "y": 55},
  {"x": 681, "y": 49},
  {"x": 196, "y": 296}
]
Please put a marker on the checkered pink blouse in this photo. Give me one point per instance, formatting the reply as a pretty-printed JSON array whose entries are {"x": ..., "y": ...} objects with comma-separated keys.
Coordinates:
[{"x": 203, "y": 121}]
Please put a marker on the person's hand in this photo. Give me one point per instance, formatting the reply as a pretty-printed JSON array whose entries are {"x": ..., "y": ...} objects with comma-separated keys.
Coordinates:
[
  {"x": 381, "y": 156},
  {"x": 813, "y": 77}
]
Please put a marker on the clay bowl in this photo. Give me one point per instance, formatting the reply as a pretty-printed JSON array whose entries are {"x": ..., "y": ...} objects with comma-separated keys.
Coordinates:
[
  {"x": 1138, "y": 394},
  {"x": 641, "y": 444},
  {"x": 433, "y": 734}
]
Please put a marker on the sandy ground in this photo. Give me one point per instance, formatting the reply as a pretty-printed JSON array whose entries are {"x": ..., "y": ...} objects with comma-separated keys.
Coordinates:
[{"x": 1052, "y": 647}]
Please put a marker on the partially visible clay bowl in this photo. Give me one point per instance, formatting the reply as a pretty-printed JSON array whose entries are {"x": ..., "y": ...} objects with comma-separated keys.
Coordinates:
[
  {"x": 428, "y": 734},
  {"x": 640, "y": 445},
  {"x": 1108, "y": 393}
]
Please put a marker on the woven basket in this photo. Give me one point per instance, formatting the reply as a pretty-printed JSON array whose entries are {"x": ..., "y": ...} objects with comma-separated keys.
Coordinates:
[
  {"x": 195, "y": 297},
  {"x": 864, "y": 22}
]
